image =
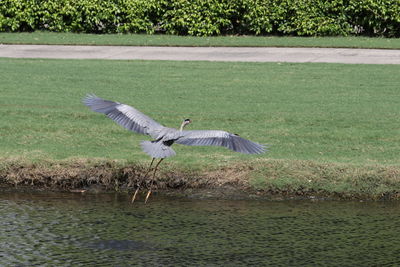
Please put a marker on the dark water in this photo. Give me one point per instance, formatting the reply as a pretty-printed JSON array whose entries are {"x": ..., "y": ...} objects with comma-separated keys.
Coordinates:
[{"x": 105, "y": 230}]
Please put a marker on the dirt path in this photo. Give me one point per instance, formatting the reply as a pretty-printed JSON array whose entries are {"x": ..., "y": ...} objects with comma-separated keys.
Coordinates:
[{"x": 243, "y": 54}]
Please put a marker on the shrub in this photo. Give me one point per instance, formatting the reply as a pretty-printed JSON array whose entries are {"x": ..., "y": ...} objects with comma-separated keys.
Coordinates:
[
  {"x": 375, "y": 17},
  {"x": 205, "y": 17},
  {"x": 139, "y": 16},
  {"x": 197, "y": 17},
  {"x": 18, "y": 15},
  {"x": 315, "y": 17},
  {"x": 259, "y": 16}
]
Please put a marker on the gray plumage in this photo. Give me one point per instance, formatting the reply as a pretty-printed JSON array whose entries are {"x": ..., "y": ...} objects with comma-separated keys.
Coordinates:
[
  {"x": 157, "y": 149},
  {"x": 126, "y": 116},
  {"x": 219, "y": 138},
  {"x": 132, "y": 119}
]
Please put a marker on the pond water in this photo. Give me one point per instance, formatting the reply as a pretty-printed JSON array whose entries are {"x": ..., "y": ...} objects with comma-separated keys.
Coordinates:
[{"x": 66, "y": 229}]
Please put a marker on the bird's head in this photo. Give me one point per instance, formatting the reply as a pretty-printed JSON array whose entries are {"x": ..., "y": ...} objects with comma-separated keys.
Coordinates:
[{"x": 185, "y": 122}]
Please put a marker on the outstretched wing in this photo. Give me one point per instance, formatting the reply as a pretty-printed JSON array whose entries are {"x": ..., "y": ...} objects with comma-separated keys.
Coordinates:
[
  {"x": 220, "y": 138},
  {"x": 126, "y": 116}
]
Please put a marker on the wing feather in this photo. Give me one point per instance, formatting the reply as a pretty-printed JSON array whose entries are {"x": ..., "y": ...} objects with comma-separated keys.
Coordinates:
[
  {"x": 126, "y": 116},
  {"x": 220, "y": 138}
]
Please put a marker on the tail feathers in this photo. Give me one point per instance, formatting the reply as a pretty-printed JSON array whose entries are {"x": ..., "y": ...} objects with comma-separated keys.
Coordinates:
[{"x": 157, "y": 149}]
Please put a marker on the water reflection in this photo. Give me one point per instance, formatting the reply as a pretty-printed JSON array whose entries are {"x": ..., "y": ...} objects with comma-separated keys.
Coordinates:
[{"x": 61, "y": 229}]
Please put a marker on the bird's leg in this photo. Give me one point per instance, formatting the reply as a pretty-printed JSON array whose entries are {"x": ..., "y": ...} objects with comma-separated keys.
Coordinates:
[
  {"x": 140, "y": 182},
  {"x": 152, "y": 181}
]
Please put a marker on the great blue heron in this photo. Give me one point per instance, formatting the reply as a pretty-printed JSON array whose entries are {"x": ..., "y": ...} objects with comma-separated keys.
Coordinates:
[{"x": 160, "y": 148}]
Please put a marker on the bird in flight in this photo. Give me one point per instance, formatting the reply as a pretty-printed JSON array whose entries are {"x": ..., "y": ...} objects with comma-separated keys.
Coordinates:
[{"x": 163, "y": 137}]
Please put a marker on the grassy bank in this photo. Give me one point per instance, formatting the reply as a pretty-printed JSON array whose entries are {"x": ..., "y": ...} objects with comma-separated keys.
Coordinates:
[
  {"x": 172, "y": 40},
  {"x": 255, "y": 179},
  {"x": 334, "y": 124}
]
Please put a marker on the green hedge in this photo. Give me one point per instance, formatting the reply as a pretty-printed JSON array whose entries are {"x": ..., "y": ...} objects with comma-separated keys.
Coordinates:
[{"x": 205, "y": 17}]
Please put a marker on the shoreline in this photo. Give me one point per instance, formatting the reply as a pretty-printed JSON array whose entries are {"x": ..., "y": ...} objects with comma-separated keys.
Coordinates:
[{"x": 259, "y": 179}]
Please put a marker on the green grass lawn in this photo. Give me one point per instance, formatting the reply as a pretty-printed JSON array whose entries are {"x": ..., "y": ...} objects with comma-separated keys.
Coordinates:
[
  {"x": 332, "y": 128},
  {"x": 329, "y": 113},
  {"x": 172, "y": 40}
]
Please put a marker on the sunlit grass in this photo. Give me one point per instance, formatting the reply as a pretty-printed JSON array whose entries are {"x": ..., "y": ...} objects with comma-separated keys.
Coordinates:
[
  {"x": 173, "y": 40},
  {"x": 318, "y": 112}
]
